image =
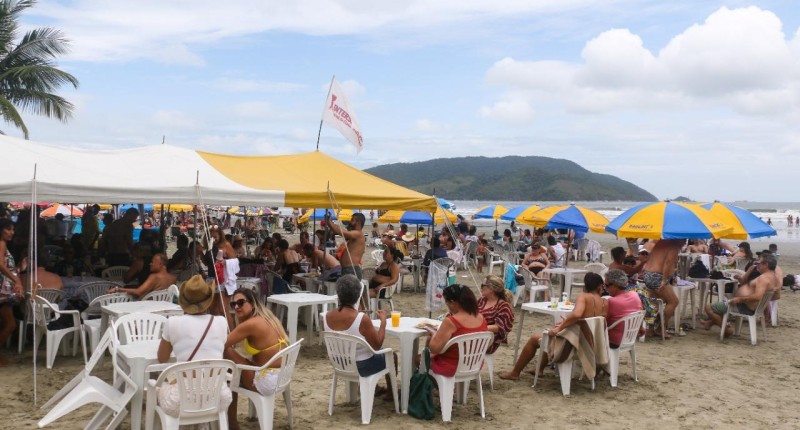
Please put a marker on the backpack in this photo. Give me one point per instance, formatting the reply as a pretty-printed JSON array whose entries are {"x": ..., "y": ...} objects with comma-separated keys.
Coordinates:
[
  {"x": 788, "y": 281},
  {"x": 698, "y": 270}
]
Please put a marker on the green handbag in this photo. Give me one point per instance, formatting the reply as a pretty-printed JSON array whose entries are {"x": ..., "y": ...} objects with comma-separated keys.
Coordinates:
[{"x": 420, "y": 393}]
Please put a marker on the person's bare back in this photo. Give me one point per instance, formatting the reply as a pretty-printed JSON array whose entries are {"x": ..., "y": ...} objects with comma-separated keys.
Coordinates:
[{"x": 663, "y": 257}]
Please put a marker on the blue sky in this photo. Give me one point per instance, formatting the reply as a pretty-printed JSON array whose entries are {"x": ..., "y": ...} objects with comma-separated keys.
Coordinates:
[{"x": 697, "y": 98}]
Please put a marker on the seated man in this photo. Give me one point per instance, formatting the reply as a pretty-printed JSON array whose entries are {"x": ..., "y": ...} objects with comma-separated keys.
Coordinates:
[
  {"x": 159, "y": 279},
  {"x": 44, "y": 278},
  {"x": 747, "y": 296},
  {"x": 181, "y": 259},
  {"x": 621, "y": 304},
  {"x": 331, "y": 269}
]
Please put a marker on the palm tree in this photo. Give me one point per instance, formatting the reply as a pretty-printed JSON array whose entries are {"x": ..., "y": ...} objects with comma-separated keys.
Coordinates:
[{"x": 28, "y": 74}]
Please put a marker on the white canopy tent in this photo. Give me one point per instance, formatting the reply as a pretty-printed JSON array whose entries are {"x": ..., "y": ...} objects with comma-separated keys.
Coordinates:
[{"x": 152, "y": 174}]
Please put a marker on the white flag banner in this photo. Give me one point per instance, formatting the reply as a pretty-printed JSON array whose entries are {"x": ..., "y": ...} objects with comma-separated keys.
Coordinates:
[{"x": 340, "y": 115}]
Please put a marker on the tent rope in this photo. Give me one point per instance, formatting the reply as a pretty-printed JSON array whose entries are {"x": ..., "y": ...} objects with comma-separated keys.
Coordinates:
[{"x": 207, "y": 232}]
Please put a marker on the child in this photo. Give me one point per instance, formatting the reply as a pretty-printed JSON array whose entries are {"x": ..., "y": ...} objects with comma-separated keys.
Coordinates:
[{"x": 481, "y": 252}]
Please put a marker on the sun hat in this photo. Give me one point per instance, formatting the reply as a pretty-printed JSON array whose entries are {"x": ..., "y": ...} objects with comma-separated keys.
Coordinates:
[
  {"x": 408, "y": 237},
  {"x": 195, "y": 295}
]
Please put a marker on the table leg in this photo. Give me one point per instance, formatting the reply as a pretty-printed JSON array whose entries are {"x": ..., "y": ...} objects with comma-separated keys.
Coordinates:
[
  {"x": 138, "y": 376},
  {"x": 408, "y": 350},
  {"x": 103, "y": 323},
  {"x": 291, "y": 322},
  {"x": 519, "y": 335},
  {"x": 310, "y": 322},
  {"x": 568, "y": 284}
]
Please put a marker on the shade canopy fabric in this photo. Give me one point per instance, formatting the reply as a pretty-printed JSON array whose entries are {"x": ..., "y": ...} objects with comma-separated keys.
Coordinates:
[
  {"x": 319, "y": 215},
  {"x": 305, "y": 178},
  {"x": 490, "y": 212},
  {"x": 515, "y": 213},
  {"x": 668, "y": 220},
  {"x": 58, "y": 208},
  {"x": 742, "y": 221},
  {"x": 418, "y": 217},
  {"x": 569, "y": 216}
]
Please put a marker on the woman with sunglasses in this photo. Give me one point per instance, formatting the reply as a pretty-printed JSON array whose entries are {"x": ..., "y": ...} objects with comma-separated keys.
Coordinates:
[
  {"x": 588, "y": 304},
  {"x": 262, "y": 336},
  {"x": 463, "y": 318},
  {"x": 495, "y": 306}
]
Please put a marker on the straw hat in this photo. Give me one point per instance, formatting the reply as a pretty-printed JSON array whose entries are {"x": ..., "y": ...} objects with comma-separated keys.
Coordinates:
[
  {"x": 195, "y": 295},
  {"x": 409, "y": 236}
]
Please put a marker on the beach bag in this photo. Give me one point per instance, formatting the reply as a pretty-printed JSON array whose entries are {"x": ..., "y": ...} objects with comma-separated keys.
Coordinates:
[
  {"x": 698, "y": 270},
  {"x": 788, "y": 281},
  {"x": 420, "y": 392},
  {"x": 219, "y": 270}
]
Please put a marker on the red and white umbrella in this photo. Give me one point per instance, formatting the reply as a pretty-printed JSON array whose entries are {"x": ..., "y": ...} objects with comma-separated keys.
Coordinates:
[{"x": 58, "y": 208}]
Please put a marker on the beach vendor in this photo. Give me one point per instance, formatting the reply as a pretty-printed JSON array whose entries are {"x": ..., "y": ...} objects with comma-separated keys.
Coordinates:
[
  {"x": 659, "y": 272},
  {"x": 354, "y": 237}
]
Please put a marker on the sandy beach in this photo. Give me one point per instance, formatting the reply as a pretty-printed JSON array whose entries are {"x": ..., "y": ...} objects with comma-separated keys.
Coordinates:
[{"x": 690, "y": 381}]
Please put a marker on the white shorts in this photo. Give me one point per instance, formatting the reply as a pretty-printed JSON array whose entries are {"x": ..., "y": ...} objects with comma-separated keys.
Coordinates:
[{"x": 266, "y": 381}]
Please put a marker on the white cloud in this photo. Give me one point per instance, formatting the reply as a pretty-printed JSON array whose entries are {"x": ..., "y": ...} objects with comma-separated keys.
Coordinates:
[
  {"x": 511, "y": 112},
  {"x": 252, "y": 85},
  {"x": 428, "y": 125},
  {"x": 174, "y": 120},
  {"x": 738, "y": 59}
]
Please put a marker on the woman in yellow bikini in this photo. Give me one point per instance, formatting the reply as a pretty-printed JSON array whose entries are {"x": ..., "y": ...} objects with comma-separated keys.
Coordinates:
[{"x": 262, "y": 336}]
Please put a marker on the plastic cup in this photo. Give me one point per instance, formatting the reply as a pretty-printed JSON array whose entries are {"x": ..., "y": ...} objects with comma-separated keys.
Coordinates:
[{"x": 396, "y": 318}]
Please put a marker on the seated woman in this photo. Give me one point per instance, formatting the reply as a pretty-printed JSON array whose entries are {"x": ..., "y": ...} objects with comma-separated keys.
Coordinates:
[
  {"x": 140, "y": 268},
  {"x": 288, "y": 261},
  {"x": 262, "y": 337},
  {"x": 195, "y": 335},
  {"x": 387, "y": 273},
  {"x": 266, "y": 251},
  {"x": 463, "y": 318},
  {"x": 536, "y": 258},
  {"x": 347, "y": 319},
  {"x": 495, "y": 306},
  {"x": 588, "y": 304}
]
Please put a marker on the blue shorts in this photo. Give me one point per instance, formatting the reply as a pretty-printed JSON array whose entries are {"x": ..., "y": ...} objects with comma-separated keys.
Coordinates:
[{"x": 372, "y": 365}]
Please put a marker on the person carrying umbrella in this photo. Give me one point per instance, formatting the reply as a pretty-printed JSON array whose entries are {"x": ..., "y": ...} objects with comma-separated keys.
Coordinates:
[
  {"x": 351, "y": 260},
  {"x": 659, "y": 271}
]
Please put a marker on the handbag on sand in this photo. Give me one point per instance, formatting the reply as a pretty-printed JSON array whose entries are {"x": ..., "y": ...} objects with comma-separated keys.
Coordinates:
[{"x": 420, "y": 392}]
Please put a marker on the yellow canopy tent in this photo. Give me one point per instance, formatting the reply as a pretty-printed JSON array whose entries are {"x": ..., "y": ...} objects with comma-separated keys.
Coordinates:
[
  {"x": 174, "y": 207},
  {"x": 305, "y": 179}
]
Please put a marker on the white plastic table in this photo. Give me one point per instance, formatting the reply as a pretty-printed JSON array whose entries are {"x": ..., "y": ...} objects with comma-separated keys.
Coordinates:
[
  {"x": 139, "y": 355},
  {"x": 409, "y": 337},
  {"x": 566, "y": 277},
  {"x": 293, "y": 301},
  {"x": 115, "y": 310},
  {"x": 309, "y": 280},
  {"x": 541, "y": 308},
  {"x": 704, "y": 283}
]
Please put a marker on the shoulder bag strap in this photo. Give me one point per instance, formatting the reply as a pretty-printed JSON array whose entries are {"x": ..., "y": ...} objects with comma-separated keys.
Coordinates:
[{"x": 202, "y": 338}]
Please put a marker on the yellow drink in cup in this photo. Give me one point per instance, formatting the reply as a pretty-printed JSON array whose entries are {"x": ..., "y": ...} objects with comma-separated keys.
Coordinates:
[{"x": 396, "y": 318}]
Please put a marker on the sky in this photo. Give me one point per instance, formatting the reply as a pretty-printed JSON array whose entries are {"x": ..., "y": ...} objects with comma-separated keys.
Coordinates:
[{"x": 687, "y": 97}]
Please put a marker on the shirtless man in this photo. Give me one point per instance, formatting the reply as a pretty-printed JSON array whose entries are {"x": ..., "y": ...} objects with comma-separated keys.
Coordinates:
[
  {"x": 698, "y": 246},
  {"x": 351, "y": 259},
  {"x": 159, "y": 279},
  {"x": 318, "y": 258},
  {"x": 659, "y": 271},
  {"x": 117, "y": 239},
  {"x": 747, "y": 296}
]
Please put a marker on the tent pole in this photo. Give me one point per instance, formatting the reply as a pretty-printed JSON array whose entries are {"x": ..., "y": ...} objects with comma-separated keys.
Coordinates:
[
  {"x": 31, "y": 247},
  {"x": 324, "y": 106}
]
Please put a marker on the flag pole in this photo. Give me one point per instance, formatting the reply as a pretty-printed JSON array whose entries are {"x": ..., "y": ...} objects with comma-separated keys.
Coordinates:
[{"x": 324, "y": 106}]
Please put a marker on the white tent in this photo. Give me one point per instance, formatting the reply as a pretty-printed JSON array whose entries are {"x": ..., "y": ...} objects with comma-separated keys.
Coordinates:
[{"x": 160, "y": 173}]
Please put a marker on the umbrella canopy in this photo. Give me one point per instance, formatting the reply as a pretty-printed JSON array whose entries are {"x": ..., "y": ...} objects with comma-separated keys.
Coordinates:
[
  {"x": 125, "y": 207},
  {"x": 319, "y": 215},
  {"x": 58, "y": 208},
  {"x": 668, "y": 220},
  {"x": 566, "y": 216},
  {"x": 516, "y": 212},
  {"x": 173, "y": 207},
  {"x": 490, "y": 212},
  {"x": 742, "y": 221},
  {"x": 445, "y": 203},
  {"x": 417, "y": 217}
]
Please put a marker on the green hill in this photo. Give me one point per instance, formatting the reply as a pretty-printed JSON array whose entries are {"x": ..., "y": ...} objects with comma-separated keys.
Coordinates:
[{"x": 509, "y": 178}]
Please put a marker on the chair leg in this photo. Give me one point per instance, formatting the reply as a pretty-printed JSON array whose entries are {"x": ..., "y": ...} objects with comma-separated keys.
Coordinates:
[
  {"x": 446, "y": 391},
  {"x": 480, "y": 396},
  {"x": 489, "y": 360},
  {"x": 722, "y": 328},
  {"x": 367, "y": 390},
  {"x": 633, "y": 363},
  {"x": 333, "y": 395},
  {"x": 613, "y": 366},
  {"x": 764, "y": 328},
  {"x": 287, "y": 398},
  {"x": 753, "y": 324},
  {"x": 565, "y": 374}
]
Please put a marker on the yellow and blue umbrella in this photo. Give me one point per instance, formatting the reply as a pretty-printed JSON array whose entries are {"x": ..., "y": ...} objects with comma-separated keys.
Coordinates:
[
  {"x": 417, "y": 217},
  {"x": 515, "y": 213},
  {"x": 742, "y": 222},
  {"x": 668, "y": 220},
  {"x": 490, "y": 212},
  {"x": 569, "y": 216},
  {"x": 319, "y": 215}
]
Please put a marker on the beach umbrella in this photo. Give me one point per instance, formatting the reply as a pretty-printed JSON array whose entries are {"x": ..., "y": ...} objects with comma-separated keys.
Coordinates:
[
  {"x": 668, "y": 220},
  {"x": 569, "y": 216},
  {"x": 445, "y": 203},
  {"x": 173, "y": 207},
  {"x": 319, "y": 215},
  {"x": 742, "y": 222},
  {"x": 490, "y": 212},
  {"x": 58, "y": 208},
  {"x": 516, "y": 212},
  {"x": 417, "y": 217},
  {"x": 125, "y": 207}
]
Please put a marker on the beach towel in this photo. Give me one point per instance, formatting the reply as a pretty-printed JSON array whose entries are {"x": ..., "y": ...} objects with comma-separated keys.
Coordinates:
[
  {"x": 231, "y": 269},
  {"x": 576, "y": 339},
  {"x": 593, "y": 251},
  {"x": 511, "y": 278},
  {"x": 600, "y": 342}
]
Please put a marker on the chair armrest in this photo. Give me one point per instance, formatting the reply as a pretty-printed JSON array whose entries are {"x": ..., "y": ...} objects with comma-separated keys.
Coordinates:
[
  {"x": 158, "y": 367},
  {"x": 382, "y": 351},
  {"x": 248, "y": 367}
]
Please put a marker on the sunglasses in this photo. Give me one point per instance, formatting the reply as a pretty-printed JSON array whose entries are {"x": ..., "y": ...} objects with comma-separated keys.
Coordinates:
[{"x": 238, "y": 303}]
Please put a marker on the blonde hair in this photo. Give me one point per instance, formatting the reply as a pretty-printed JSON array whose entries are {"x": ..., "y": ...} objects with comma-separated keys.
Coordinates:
[
  {"x": 498, "y": 288},
  {"x": 261, "y": 311}
]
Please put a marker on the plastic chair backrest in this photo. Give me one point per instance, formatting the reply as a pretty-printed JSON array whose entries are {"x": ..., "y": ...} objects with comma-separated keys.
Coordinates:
[
  {"x": 252, "y": 286},
  {"x": 42, "y": 309},
  {"x": 342, "y": 348},
  {"x": 98, "y": 302},
  {"x": 288, "y": 358},
  {"x": 765, "y": 299},
  {"x": 52, "y": 295},
  {"x": 140, "y": 326},
  {"x": 632, "y": 323},
  {"x": 730, "y": 273},
  {"x": 377, "y": 255},
  {"x": 93, "y": 290},
  {"x": 598, "y": 268},
  {"x": 199, "y": 384},
  {"x": 471, "y": 351},
  {"x": 114, "y": 273}
]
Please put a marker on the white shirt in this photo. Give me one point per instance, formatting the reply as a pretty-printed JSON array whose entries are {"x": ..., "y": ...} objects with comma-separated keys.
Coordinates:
[
  {"x": 185, "y": 331},
  {"x": 559, "y": 251}
]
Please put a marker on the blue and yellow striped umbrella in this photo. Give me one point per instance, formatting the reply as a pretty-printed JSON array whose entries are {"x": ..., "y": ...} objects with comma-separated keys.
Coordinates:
[
  {"x": 742, "y": 221},
  {"x": 490, "y": 212},
  {"x": 566, "y": 216},
  {"x": 517, "y": 212},
  {"x": 668, "y": 220}
]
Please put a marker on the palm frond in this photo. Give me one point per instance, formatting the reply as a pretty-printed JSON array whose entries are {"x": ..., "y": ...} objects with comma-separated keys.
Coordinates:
[
  {"x": 43, "y": 103},
  {"x": 12, "y": 116}
]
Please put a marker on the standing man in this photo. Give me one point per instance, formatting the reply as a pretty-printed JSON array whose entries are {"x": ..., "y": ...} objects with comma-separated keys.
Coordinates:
[
  {"x": 351, "y": 259},
  {"x": 659, "y": 272},
  {"x": 118, "y": 239}
]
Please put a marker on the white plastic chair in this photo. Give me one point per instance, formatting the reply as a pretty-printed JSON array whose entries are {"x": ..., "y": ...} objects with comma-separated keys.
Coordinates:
[
  {"x": 342, "y": 349},
  {"x": 252, "y": 286},
  {"x": 93, "y": 290},
  {"x": 533, "y": 285},
  {"x": 114, "y": 273},
  {"x": 139, "y": 327},
  {"x": 752, "y": 320},
  {"x": 632, "y": 324},
  {"x": 471, "y": 353},
  {"x": 565, "y": 368},
  {"x": 384, "y": 295},
  {"x": 92, "y": 326},
  {"x": 773, "y": 313},
  {"x": 377, "y": 256},
  {"x": 495, "y": 259},
  {"x": 84, "y": 389},
  {"x": 262, "y": 405},
  {"x": 53, "y": 296},
  {"x": 168, "y": 295},
  {"x": 200, "y": 385},
  {"x": 489, "y": 361},
  {"x": 43, "y": 309}
]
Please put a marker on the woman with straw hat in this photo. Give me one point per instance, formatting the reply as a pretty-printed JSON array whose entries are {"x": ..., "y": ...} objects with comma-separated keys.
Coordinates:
[{"x": 196, "y": 335}]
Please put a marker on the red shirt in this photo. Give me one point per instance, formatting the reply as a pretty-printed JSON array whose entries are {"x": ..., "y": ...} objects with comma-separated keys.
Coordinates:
[
  {"x": 619, "y": 307},
  {"x": 446, "y": 363}
]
